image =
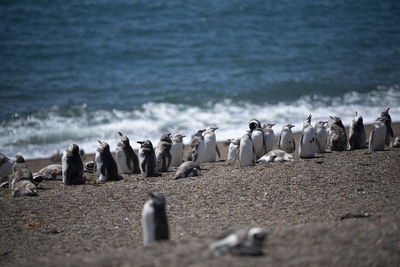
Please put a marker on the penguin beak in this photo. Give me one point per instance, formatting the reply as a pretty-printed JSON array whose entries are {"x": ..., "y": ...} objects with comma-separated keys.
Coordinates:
[
  {"x": 290, "y": 126},
  {"x": 183, "y": 136},
  {"x": 99, "y": 142},
  {"x": 140, "y": 142},
  {"x": 331, "y": 117},
  {"x": 120, "y": 134},
  {"x": 273, "y": 124}
]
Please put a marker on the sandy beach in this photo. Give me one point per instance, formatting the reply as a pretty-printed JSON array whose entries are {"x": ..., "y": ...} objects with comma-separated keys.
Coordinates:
[{"x": 340, "y": 208}]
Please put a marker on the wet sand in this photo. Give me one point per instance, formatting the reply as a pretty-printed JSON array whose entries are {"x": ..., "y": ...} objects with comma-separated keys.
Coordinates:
[{"x": 340, "y": 208}]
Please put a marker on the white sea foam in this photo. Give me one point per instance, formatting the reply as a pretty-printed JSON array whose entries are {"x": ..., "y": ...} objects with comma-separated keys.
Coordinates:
[{"x": 39, "y": 135}]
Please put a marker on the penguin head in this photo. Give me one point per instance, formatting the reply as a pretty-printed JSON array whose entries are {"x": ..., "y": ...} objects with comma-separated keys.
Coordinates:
[
  {"x": 268, "y": 125},
  {"x": 146, "y": 143},
  {"x": 253, "y": 124},
  {"x": 74, "y": 149},
  {"x": 308, "y": 119},
  {"x": 358, "y": 118},
  {"x": 166, "y": 137},
  {"x": 124, "y": 138},
  {"x": 19, "y": 159},
  {"x": 158, "y": 200},
  {"x": 385, "y": 112},
  {"x": 103, "y": 146},
  {"x": 290, "y": 126},
  {"x": 211, "y": 129},
  {"x": 31, "y": 189},
  {"x": 336, "y": 120},
  {"x": 177, "y": 137},
  {"x": 256, "y": 236},
  {"x": 199, "y": 132}
]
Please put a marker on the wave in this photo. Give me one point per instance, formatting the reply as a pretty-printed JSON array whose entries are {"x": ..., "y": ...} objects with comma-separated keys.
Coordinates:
[{"x": 39, "y": 134}]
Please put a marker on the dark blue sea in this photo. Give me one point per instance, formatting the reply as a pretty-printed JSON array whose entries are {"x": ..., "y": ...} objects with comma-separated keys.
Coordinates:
[{"x": 79, "y": 71}]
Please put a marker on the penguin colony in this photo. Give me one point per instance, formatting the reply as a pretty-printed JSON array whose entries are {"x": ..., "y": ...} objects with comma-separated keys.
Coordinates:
[{"x": 255, "y": 146}]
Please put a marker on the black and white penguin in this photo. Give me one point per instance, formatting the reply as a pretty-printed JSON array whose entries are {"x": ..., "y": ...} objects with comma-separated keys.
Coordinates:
[
  {"x": 337, "y": 135},
  {"x": 357, "y": 136},
  {"x": 188, "y": 169},
  {"x": 6, "y": 169},
  {"x": 233, "y": 148},
  {"x": 72, "y": 166},
  {"x": 308, "y": 140},
  {"x": 177, "y": 150},
  {"x": 377, "y": 136},
  {"x": 21, "y": 167},
  {"x": 268, "y": 136},
  {"x": 286, "y": 141},
  {"x": 276, "y": 155},
  {"x": 154, "y": 220},
  {"x": 254, "y": 124},
  {"x": 388, "y": 124},
  {"x": 210, "y": 145},
  {"x": 127, "y": 159},
  {"x": 247, "y": 154},
  {"x": 147, "y": 159},
  {"x": 163, "y": 152},
  {"x": 106, "y": 165},
  {"x": 321, "y": 135},
  {"x": 257, "y": 135},
  {"x": 242, "y": 242}
]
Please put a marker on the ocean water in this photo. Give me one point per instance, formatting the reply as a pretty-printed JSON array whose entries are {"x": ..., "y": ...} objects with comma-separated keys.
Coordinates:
[{"x": 79, "y": 71}]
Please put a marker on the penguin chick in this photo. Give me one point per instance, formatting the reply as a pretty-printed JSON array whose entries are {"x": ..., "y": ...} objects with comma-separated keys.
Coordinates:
[
  {"x": 72, "y": 167},
  {"x": 268, "y": 136},
  {"x": 308, "y": 141},
  {"x": 276, "y": 155},
  {"x": 321, "y": 136},
  {"x": 154, "y": 220},
  {"x": 147, "y": 159},
  {"x": 377, "y": 136},
  {"x": 23, "y": 188},
  {"x": 106, "y": 165},
  {"x": 286, "y": 141},
  {"x": 210, "y": 145},
  {"x": 188, "y": 169},
  {"x": 233, "y": 148},
  {"x": 388, "y": 123},
  {"x": 127, "y": 160},
  {"x": 163, "y": 152},
  {"x": 337, "y": 135},
  {"x": 240, "y": 242},
  {"x": 357, "y": 136},
  {"x": 177, "y": 150}
]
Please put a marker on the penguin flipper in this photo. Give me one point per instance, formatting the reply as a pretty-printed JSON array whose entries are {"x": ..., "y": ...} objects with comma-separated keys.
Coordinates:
[
  {"x": 279, "y": 142},
  {"x": 218, "y": 152},
  {"x": 371, "y": 139},
  {"x": 318, "y": 144},
  {"x": 301, "y": 142},
  {"x": 294, "y": 144}
]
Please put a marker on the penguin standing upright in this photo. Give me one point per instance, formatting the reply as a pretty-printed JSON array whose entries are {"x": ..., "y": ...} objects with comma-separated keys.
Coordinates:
[
  {"x": 388, "y": 124},
  {"x": 147, "y": 159},
  {"x": 357, "y": 137},
  {"x": 233, "y": 148},
  {"x": 106, "y": 165},
  {"x": 337, "y": 135},
  {"x": 321, "y": 135},
  {"x": 286, "y": 141},
  {"x": 196, "y": 149},
  {"x": 247, "y": 154},
  {"x": 268, "y": 137},
  {"x": 72, "y": 166},
  {"x": 257, "y": 135},
  {"x": 307, "y": 143},
  {"x": 127, "y": 160},
  {"x": 177, "y": 150},
  {"x": 377, "y": 136},
  {"x": 154, "y": 220},
  {"x": 163, "y": 153},
  {"x": 210, "y": 145}
]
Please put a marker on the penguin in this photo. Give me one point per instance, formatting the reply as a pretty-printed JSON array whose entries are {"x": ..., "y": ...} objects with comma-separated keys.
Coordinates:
[
  {"x": 337, "y": 135},
  {"x": 177, "y": 150},
  {"x": 246, "y": 151},
  {"x": 188, "y": 169},
  {"x": 254, "y": 124},
  {"x": 147, "y": 159},
  {"x": 72, "y": 166},
  {"x": 276, "y": 155},
  {"x": 307, "y": 143},
  {"x": 56, "y": 157},
  {"x": 286, "y": 141},
  {"x": 196, "y": 149},
  {"x": 51, "y": 172},
  {"x": 388, "y": 124},
  {"x": 321, "y": 135},
  {"x": 90, "y": 167},
  {"x": 396, "y": 142},
  {"x": 23, "y": 187},
  {"x": 21, "y": 167},
  {"x": 127, "y": 160},
  {"x": 357, "y": 136},
  {"x": 6, "y": 169},
  {"x": 210, "y": 145},
  {"x": 377, "y": 136},
  {"x": 257, "y": 135},
  {"x": 233, "y": 148},
  {"x": 106, "y": 165},
  {"x": 163, "y": 152},
  {"x": 242, "y": 241},
  {"x": 154, "y": 220},
  {"x": 268, "y": 137}
]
